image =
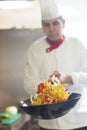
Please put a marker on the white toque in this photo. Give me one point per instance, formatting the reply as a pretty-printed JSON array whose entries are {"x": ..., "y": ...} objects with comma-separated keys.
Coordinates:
[{"x": 49, "y": 9}]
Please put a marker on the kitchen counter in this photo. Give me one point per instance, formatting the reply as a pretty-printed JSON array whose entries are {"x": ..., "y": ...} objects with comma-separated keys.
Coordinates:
[{"x": 18, "y": 125}]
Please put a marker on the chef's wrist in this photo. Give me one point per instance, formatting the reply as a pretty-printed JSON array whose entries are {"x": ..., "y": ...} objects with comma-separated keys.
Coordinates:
[{"x": 68, "y": 79}]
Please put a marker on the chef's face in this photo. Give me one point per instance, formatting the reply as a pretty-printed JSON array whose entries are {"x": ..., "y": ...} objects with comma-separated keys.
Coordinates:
[{"x": 53, "y": 28}]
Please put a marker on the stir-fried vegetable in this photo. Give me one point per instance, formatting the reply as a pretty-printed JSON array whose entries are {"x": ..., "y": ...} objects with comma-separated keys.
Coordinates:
[{"x": 48, "y": 94}]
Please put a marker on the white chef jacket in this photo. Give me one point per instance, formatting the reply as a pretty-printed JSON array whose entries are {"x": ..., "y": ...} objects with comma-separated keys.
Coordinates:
[{"x": 69, "y": 58}]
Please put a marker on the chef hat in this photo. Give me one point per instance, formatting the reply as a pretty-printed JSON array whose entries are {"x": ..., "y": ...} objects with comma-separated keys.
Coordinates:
[{"x": 49, "y": 9}]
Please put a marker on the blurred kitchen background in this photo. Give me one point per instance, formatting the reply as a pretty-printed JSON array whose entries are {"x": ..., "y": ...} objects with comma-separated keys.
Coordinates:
[{"x": 20, "y": 25}]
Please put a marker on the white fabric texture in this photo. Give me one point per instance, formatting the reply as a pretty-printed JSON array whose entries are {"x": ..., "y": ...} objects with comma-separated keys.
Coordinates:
[
  {"x": 49, "y": 9},
  {"x": 69, "y": 58}
]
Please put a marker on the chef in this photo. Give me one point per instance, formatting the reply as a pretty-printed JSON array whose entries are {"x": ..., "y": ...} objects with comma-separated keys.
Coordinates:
[{"x": 62, "y": 56}]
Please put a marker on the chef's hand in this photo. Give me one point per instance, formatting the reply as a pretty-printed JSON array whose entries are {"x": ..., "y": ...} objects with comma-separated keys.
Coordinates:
[{"x": 61, "y": 77}]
